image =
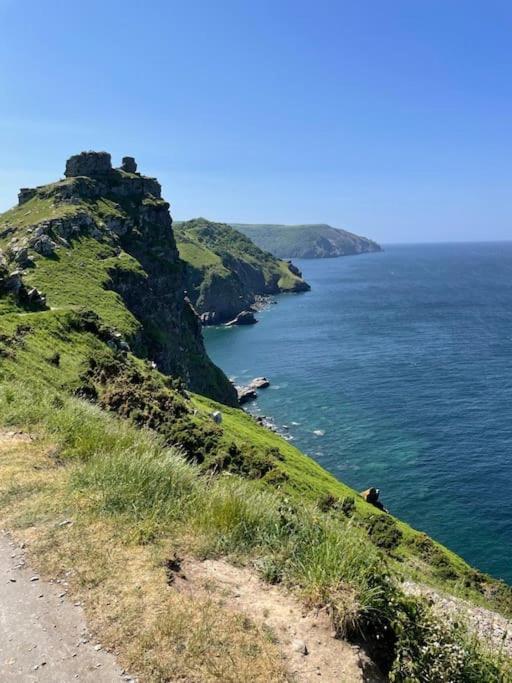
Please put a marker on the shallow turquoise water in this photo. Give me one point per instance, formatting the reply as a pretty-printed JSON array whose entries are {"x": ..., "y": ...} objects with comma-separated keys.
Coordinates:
[{"x": 402, "y": 364}]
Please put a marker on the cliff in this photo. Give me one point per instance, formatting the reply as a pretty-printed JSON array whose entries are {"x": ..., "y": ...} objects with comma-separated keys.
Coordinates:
[
  {"x": 120, "y": 479},
  {"x": 307, "y": 241},
  {"x": 102, "y": 240},
  {"x": 226, "y": 271}
]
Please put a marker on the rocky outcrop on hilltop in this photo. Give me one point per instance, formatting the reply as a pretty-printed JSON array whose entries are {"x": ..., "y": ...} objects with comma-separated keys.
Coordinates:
[{"x": 124, "y": 211}]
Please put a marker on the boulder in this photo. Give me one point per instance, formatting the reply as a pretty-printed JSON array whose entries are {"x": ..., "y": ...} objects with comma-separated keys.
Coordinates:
[
  {"x": 246, "y": 394},
  {"x": 371, "y": 496},
  {"x": 129, "y": 165},
  {"x": 243, "y": 318},
  {"x": 300, "y": 647},
  {"x": 88, "y": 164},
  {"x": 259, "y": 383},
  {"x": 44, "y": 245}
]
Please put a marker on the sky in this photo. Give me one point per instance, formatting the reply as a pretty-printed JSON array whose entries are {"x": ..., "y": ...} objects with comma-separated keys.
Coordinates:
[{"x": 391, "y": 119}]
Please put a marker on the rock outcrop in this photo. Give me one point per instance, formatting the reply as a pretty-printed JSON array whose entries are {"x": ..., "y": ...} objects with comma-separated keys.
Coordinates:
[
  {"x": 246, "y": 394},
  {"x": 243, "y": 318},
  {"x": 124, "y": 211},
  {"x": 371, "y": 496},
  {"x": 259, "y": 383},
  {"x": 129, "y": 165},
  {"x": 89, "y": 164}
]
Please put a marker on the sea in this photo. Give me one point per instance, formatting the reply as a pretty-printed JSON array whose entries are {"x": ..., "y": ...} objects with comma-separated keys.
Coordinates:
[{"x": 395, "y": 371}]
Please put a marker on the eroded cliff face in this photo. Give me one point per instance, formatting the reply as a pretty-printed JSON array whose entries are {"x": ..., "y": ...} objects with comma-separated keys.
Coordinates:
[
  {"x": 120, "y": 216},
  {"x": 226, "y": 272}
]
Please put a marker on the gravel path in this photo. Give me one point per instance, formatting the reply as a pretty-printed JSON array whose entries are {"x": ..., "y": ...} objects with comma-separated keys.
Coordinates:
[{"x": 43, "y": 635}]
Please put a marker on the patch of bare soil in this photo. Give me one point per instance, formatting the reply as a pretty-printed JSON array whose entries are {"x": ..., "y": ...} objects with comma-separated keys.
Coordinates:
[{"x": 305, "y": 637}]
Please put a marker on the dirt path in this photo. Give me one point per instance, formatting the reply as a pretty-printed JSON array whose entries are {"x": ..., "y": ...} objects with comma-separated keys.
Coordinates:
[
  {"x": 43, "y": 636},
  {"x": 304, "y": 636}
]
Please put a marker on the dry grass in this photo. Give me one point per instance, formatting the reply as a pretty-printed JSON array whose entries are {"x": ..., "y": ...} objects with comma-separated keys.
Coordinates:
[{"x": 158, "y": 633}]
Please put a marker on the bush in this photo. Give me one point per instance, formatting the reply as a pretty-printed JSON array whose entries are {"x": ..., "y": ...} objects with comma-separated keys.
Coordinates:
[{"x": 384, "y": 532}]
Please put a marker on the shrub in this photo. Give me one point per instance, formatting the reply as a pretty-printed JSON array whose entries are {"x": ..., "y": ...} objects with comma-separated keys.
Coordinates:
[
  {"x": 384, "y": 532},
  {"x": 348, "y": 506}
]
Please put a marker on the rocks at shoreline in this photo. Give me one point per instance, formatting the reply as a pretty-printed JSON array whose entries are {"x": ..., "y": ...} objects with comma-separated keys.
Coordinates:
[
  {"x": 246, "y": 394},
  {"x": 371, "y": 496},
  {"x": 259, "y": 383},
  {"x": 243, "y": 318}
]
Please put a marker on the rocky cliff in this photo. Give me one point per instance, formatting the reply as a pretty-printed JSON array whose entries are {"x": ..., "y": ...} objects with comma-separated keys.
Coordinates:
[
  {"x": 101, "y": 239},
  {"x": 226, "y": 271},
  {"x": 307, "y": 241}
]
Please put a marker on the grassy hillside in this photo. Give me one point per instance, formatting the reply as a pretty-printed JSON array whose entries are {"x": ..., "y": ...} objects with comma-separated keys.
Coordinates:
[
  {"x": 226, "y": 271},
  {"x": 121, "y": 446},
  {"x": 104, "y": 243},
  {"x": 306, "y": 241}
]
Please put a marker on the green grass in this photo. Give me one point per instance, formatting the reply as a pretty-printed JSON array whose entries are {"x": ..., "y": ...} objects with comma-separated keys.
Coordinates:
[
  {"x": 80, "y": 278},
  {"x": 123, "y": 473},
  {"x": 34, "y": 211},
  {"x": 224, "y": 265}
]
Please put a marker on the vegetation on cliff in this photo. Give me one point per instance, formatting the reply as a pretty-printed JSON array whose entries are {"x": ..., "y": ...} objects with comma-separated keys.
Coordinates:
[
  {"x": 306, "y": 241},
  {"x": 226, "y": 271},
  {"x": 98, "y": 365},
  {"x": 101, "y": 240}
]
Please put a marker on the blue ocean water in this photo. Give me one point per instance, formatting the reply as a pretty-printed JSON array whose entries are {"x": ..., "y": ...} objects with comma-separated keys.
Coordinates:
[{"x": 395, "y": 371}]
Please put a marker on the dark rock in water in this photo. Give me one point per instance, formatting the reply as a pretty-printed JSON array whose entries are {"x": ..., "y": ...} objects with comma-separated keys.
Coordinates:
[
  {"x": 259, "y": 383},
  {"x": 243, "y": 318},
  {"x": 371, "y": 496},
  {"x": 88, "y": 164},
  {"x": 246, "y": 394},
  {"x": 129, "y": 165}
]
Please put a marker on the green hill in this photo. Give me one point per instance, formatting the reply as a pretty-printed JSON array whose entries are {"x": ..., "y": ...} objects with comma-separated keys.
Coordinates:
[
  {"x": 226, "y": 271},
  {"x": 306, "y": 241},
  {"x": 130, "y": 464}
]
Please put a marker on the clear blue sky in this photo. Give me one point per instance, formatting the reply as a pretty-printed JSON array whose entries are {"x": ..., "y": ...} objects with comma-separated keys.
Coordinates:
[{"x": 392, "y": 119}]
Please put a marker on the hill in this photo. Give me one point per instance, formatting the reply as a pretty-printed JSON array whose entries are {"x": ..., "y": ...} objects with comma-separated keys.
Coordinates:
[
  {"x": 101, "y": 240},
  {"x": 306, "y": 241},
  {"x": 226, "y": 271},
  {"x": 128, "y": 483}
]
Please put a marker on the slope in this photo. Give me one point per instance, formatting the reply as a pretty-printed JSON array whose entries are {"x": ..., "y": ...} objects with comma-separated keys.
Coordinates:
[
  {"x": 307, "y": 241},
  {"x": 226, "y": 272}
]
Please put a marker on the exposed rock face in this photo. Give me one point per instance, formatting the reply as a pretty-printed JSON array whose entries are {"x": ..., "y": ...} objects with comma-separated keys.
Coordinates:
[
  {"x": 227, "y": 273},
  {"x": 293, "y": 269},
  {"x": 12, "y": 283},
  {"x": 129, "y": 165},
  {"x": 134, "y": 219},
  {"x": 25, "y": 194},
  {"x": 243, "y": 318},
  {"x": 246, "y": 394},
  {"x": 88, "y": 164}
]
